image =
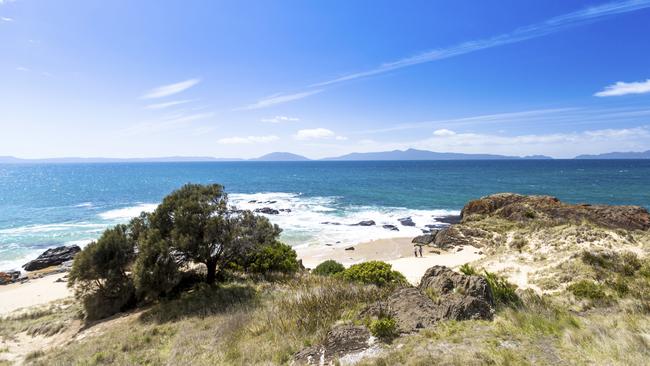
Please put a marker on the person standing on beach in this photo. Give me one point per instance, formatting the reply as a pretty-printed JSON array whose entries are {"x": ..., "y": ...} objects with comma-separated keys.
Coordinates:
[
  {"x": 415, "y": 250},
  {"x": 420, "y": 250}
]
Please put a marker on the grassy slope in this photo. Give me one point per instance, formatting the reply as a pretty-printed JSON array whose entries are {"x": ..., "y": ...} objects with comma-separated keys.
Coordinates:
[{"x": 247, "y": 322}]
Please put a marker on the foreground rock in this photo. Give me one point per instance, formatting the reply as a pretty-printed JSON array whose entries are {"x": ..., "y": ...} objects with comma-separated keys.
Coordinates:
[
  {"x": 339, "y": 342},
  {"x": 442, "y": 295},
  {"x": 52, "y": 257},
  {"x": 516, "y": 207},
  {"x": 425, "y": 239}
]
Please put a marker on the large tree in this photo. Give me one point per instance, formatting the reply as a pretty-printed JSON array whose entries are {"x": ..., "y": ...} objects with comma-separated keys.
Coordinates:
[{"x": 195, "y": 225}]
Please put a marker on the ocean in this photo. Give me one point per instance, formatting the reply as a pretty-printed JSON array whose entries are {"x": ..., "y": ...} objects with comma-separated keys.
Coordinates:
[{"x": 47, "y": 205}]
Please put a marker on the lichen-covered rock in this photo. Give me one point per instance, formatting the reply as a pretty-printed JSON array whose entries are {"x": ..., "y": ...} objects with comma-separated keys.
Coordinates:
[
  {"x": 443, "y": 281},
  {"x": 516, "y": 207},
  {"x": 339, "y": 342}
]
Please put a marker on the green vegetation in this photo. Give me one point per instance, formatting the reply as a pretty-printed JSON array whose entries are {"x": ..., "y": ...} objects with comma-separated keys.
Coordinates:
[
  {"x": 373, "y": 272},
  {"x": 586, "y": 289},
  {"x": 328, "y": 268},
  {"x": 193, "y": 225},
  {"x": 504, "y": 292},
  {"x": 384, "y": 328},
  {"x": 468, "y": 270}
]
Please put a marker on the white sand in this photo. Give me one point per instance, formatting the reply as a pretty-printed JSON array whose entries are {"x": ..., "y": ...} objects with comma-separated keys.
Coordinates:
[
  {"x": 396, "y": 251},
  {"x": 33, "y": 292}
]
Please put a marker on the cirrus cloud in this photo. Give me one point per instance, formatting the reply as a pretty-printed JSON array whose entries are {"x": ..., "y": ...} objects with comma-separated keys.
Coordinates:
[
  {"x": 280, "y": 119},
  {"x": 170, "y": 89}
]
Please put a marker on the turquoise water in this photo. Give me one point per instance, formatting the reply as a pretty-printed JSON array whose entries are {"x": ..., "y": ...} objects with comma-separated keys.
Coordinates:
[{"x": 47, "y": 205}]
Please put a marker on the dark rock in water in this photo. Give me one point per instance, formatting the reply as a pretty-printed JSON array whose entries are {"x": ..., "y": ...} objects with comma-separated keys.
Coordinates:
[
  {"x": 267, "y": 210},
  {"x": 340, "y": 341},
  {"x": 9, "y": 277},
  {"x": 338, "y": 242},
  {"x": 450, "y": 219},
  {"x": 365, "y": 223},
  {"x": 349, "y": 248},
  {"x": 391, "y": 227},
  {"x": 52, "y": 257},
  {"x": 271, "y": 202},
  {"x": 406, "y": 221},
  {"x": 329, "y": 244},
  {"x": 424, "y": 239},
  {"x": 252, "y": 201},
  {"x": 330, "y": 223},
  {"x": 285, "y": 210},
  {"x": 520, "y": 208}
]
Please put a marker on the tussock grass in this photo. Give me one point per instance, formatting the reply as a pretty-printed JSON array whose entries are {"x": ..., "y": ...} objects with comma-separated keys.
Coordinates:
[{"x": 44, "y": 320}]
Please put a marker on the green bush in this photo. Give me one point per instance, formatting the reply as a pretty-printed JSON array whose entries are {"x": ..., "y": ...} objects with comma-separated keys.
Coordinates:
[
  {"x": 588, "y": 290},
  {"x": 99, "y": 274},
  {"x": 373, "y": 272},
  {"x": 504, "y": 292},
  {"x": 626, "y": 263},
  {"x": 468, "y": 270},
  {"x": 278, "y": 257},
  {"x": 383, "y": 328},
  {"x": 328, "y": 268}
]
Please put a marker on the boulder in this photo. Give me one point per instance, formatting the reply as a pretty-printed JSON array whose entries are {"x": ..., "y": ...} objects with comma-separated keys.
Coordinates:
[
  {"x": 459, "y": 296},
  {"x": 267, "y": 210},
  {"x": 406, "y": 221},
  {"x": 365, "y": 223},
  {"x": 9, "y": 277},
  {"x": 52, "y": 257},
  {"x": 411, "y": 309},
  {"x": 425, "y": 239},
  {"x": 449, "y": 238},
  {"x": 339, "y": 342},
  {"x": 391, "y": 227},
  {"x": 520, "y": 208},
  {"x": 349, "y": 248}
]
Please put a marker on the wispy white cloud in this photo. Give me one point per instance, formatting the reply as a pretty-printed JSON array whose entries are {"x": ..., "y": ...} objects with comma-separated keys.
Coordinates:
[
  {"x": 2, "y": 2},
  {"x": 280, "y": 119},
  {"x": 247, "y": 140},
  {"x": 314, "y": 133},
  {"x": 21, "y": 68},
  {"x": 443, "y": 132},
  {"x": 171, "y": 89},
  {"x": 6, "y": 19},
  {"x": 546, "y": 27},
  {"x": 623, "y": 88},
  {"x": 166, "y": 104},
  {"x": 168, "y": 123},
  {"x": 341, "y": 138},
  {"x": 280, "y": 99},
  {"x": 564, "y": 145}
]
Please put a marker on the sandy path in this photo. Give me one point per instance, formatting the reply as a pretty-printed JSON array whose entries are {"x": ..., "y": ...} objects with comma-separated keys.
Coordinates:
[
  {"x": 396, "y": 251},
  {"x": 33, "y": 292}
]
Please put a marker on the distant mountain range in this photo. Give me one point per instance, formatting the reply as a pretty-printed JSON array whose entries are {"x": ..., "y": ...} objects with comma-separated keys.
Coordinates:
[
  {"x": 618, "y": 155},
  {"x": 395, "y": 155},
  {"x": 413, "y": 154}
]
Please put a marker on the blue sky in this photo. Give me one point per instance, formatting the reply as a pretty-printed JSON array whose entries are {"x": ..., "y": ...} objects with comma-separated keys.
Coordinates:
[{"x": 322, "y": 78}]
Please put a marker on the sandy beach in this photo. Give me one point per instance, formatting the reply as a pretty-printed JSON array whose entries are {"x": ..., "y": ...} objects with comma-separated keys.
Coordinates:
[
  {"x": 396, "y": 251},
  {"x": 33, "y": 292}
]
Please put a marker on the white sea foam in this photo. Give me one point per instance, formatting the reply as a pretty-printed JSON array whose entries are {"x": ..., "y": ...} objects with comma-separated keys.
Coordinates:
[
  {"x": 50, "y": 228},
  {"x": 84, "y": 204},
  {"x": 128, "y": 212},
  {"x": 323, "y": 220}
]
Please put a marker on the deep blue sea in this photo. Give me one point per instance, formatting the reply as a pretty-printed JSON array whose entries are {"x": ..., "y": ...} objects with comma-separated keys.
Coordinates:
[{"x": 52, "y": 204}]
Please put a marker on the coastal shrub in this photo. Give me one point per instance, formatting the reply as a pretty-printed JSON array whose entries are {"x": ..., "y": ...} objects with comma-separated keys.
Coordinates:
[
  {"x": 505, "y": 293},
  {"x": 468, "y": 269},
  {"x": 197, "y": 226},
  {"x": 99, "y": 273},
  {"x": 373, "y": 272},
  {"x": 156, "y": 271},
  {"x": 328, "y": 268},
  {"x": 275, "y": 258},
  {"x": 384, "y": 328},
  {"x": 626, "y": 263},
  {"x": 586, "y": 289}
]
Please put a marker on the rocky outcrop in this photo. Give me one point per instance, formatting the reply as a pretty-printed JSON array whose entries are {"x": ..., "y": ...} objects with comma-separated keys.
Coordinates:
[
  {"x": 425, "y": 239},
  {"x": 520, "y": 208},
  {"x": 52, "y": 257},
  {"x": 449, "y": 219},
  {"x": 267, "y": 210},
  {"x": 339, "y": 342},
  {"x": 365, "y": 223},
  {"x": 406, "y": 221},
  {"x": 442, "y": 295},
  {"x": 9, "y": 277}
]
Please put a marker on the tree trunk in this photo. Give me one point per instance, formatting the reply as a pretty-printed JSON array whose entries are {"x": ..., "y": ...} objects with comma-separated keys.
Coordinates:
[{"x": 212, "y": 272}]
